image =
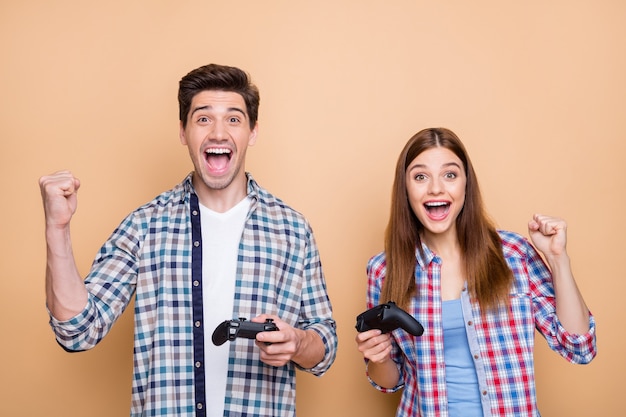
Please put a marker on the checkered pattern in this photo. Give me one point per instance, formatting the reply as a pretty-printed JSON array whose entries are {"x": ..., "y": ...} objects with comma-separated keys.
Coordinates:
[
  {"x": 502, "y": 341},
  {"x": 152, "y": 255}
]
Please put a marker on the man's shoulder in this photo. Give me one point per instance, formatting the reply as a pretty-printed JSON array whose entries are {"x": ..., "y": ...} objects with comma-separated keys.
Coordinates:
[
  {"x": 170, "y": 200},
  {"x": 274, "y": 206}
]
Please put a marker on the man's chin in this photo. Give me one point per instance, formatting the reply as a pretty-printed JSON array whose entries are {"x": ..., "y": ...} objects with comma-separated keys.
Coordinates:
[{"x": 213, "y": 182}]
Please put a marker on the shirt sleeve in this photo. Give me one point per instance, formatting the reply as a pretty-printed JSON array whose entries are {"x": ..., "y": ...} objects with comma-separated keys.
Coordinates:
[
  {"x": 376, "y": 269},
  {"x": 316, "y": 309},
  {"x": 576, "y": 348},
  {"x": 110, "y": 285}
]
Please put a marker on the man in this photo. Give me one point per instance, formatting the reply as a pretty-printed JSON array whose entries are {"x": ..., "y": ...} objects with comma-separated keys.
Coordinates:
[{"x": 215, "y": 247}]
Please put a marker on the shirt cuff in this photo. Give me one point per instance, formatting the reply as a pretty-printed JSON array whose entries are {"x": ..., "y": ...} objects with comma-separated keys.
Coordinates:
[
  {"x": 76, "y": 325},
  {"x": 328, "y": 334}
]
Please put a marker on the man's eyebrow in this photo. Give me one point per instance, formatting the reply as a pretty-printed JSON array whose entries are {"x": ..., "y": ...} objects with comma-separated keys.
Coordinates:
[{"x": 208, "y": 107}]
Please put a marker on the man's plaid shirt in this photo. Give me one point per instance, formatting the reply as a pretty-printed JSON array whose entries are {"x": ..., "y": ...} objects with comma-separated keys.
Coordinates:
[{"x": 156, "y": 255}]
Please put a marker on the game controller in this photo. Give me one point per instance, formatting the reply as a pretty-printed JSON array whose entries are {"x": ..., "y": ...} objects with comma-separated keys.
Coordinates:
[
  {"x": 387, "y": 317},
  {"x": 232, "y": 329}
]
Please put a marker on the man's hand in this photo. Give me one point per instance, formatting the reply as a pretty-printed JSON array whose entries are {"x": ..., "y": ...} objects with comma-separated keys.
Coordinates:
[
  {"x": 58, "y": 192},
  {"x": 304, "y": 347}
]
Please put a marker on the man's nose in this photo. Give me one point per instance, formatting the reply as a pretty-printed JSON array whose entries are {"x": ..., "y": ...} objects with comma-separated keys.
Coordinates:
[{"x": 219, "y": 131}]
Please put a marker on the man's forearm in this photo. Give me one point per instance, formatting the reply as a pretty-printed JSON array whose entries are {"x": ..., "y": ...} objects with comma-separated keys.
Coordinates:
[{"x": 66, "y": 294}]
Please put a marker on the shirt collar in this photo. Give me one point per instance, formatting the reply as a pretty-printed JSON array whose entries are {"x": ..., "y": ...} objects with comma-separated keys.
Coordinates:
[
  {"x": 425, "y": 256},
  {"x": 252, "y": 186}
]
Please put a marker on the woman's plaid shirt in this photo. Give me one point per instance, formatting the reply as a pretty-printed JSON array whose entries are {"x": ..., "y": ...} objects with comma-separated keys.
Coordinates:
[
  {"x": 155, "y": 254},
  {"x": 501, "y": 343}
]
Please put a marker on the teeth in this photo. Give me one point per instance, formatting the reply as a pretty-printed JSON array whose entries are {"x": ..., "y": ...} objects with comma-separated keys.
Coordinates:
[
  {"x": 218, "y": 151},
  {"x": 436, "y": 204}
]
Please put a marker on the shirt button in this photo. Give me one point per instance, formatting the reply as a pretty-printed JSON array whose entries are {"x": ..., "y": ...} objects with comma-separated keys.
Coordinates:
[
  {"x": 197, "y": 324},
  {"x": 196, "y": 243},
  {"x": 484, "y": 392},
  {"x": 195, "y": 212},
  {"x": 476, "y": 356},
  {"x": 196, "y": 283},
  {"x": 469, "y": 323},
  {"x": 199, "y": 406},
  {"x": 198, "y": 364}
]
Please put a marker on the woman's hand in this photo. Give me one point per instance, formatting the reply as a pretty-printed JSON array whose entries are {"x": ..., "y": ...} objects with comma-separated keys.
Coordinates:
[
  {"x": 374, "y": 345},
  {"x": 548, "y": 234}
]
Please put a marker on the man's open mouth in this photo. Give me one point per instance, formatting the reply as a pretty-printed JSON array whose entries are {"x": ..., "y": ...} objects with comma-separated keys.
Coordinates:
[{"x": 217, "y": 158}]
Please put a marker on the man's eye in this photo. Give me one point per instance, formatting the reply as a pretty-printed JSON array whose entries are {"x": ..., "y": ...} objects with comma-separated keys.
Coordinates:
[
  {"x": 233, "y": 120},
  {"x": 203, "y": 119}
]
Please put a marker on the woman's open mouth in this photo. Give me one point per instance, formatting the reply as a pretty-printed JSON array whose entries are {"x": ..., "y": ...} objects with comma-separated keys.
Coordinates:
[{"x": 437, "y": 210}]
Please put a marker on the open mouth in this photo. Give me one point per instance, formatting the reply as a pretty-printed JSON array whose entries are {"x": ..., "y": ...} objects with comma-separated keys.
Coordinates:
[
  {"x": 217, "y": 158},
  {"x": 437, "y": 209}
]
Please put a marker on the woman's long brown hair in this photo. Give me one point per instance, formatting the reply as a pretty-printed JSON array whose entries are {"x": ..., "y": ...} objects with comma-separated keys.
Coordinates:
[{"x": 488, "y": 276}]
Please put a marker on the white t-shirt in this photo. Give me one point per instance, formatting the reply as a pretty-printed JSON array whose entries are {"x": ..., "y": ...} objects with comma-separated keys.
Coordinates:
[{"x": 221, "y": 233}]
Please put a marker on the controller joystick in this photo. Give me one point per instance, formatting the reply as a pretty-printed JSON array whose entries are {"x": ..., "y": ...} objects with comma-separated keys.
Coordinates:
[
  {"x": 232, "y": 329},
  {"x": 387, "y": 317}
]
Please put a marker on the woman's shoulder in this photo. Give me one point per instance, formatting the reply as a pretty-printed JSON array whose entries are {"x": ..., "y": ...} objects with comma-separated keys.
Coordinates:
[
  {"x": 513, "y": 243},
  {"x": 377, "y": 263}
]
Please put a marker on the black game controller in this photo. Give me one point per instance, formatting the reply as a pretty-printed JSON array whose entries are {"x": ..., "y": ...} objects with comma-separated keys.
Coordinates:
[
  {"x": 387, "y": 317},
  {"x": 232, "y": 329}
]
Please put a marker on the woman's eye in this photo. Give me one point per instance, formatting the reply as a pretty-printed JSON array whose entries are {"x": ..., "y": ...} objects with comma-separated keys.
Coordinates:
[
  {"x": 420, "y": 177},
  {"x": 451, "y": 175}
]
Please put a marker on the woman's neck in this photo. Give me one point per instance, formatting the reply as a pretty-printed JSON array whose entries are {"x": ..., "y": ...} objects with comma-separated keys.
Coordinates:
[{"x": 443, "y": 244}]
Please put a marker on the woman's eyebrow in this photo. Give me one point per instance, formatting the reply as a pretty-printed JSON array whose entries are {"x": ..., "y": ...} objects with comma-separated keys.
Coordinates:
[{"x": 446, "y": 165}]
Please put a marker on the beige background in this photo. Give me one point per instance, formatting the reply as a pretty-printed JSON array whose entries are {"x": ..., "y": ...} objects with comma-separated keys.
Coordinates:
[{"x": 536, "y": 90}]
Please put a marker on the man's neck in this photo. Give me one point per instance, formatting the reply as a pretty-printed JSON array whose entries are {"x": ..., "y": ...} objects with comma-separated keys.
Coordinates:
[{"x": 224, "y": 199}]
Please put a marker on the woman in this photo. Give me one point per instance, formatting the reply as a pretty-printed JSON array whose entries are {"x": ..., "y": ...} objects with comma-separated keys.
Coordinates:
[{"x": 479, "y": 293}]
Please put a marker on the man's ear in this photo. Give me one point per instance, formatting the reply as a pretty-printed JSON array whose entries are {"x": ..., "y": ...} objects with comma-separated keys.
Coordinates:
[
  {"x": 181, "y": 134},
  {"x": 253, "y": 134}
]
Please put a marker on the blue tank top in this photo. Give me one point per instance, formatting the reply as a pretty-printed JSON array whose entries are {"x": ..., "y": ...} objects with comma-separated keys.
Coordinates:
[{"x": 461, "y": 379}]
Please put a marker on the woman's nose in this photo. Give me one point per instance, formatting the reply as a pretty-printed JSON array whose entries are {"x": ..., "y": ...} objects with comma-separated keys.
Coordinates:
[{"x": 434, "y": 187}]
